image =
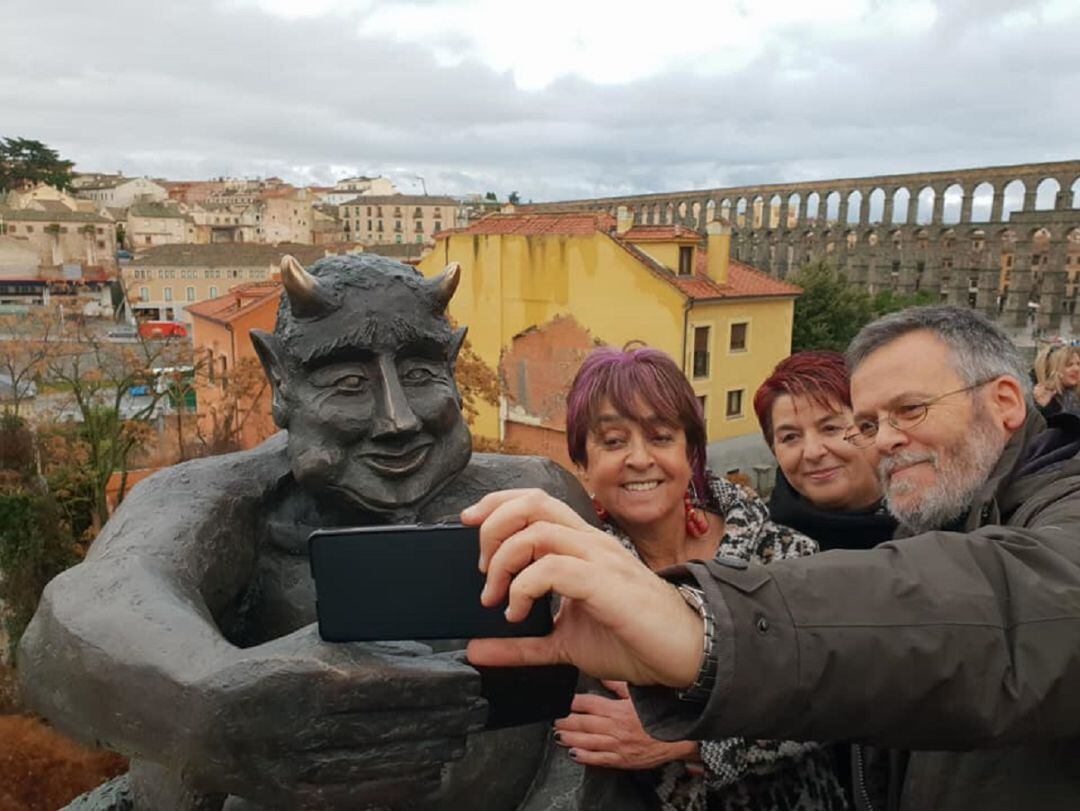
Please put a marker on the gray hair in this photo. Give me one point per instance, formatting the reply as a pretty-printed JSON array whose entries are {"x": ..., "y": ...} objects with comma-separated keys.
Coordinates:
[{"x": 978, "y": 350}]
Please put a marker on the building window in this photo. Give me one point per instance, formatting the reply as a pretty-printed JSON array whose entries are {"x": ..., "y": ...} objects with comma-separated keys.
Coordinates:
[
  {"x": 168, "y": 294},
  {"x": 438, "y": 225},
  {"x": 144, "y": 294},
  {"x": 734, "y": 403},
  {"x": 686, "y": 260},
  {"x": 397, "y": 239},
  {"x": 191, "y": 294},
  {"x": 703, "y": 404},
  {"x": 738, "y": 336},
  {"x": 213, "y": 292},
  {"x": 701, "y": 352}
]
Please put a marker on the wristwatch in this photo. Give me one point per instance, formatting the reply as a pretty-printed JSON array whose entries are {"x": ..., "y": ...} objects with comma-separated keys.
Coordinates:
[{"x": 702, "y": 687}]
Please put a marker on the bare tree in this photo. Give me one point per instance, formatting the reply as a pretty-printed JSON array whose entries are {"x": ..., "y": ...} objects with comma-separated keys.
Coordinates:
[
  {"x": 99, "y": 377},
  {"x": 27, "y": 342}
]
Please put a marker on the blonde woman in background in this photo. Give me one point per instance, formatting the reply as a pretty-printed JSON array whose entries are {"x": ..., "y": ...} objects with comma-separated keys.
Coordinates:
[{"x": 1057, "y": 380}]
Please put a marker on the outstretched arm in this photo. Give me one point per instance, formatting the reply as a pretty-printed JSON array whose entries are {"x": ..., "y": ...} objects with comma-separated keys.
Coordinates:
[{"x": 955, "y": 639}]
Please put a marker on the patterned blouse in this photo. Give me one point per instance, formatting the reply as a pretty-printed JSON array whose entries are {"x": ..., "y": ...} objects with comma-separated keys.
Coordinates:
[{"x": 740, "y": 775}]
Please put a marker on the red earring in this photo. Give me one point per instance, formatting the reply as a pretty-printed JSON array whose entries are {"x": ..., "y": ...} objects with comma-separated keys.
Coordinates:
[{"x": 697, "y": 523}]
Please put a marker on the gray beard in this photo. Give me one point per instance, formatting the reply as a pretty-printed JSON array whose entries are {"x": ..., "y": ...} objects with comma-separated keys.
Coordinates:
[{"x": 961, "y": 470}]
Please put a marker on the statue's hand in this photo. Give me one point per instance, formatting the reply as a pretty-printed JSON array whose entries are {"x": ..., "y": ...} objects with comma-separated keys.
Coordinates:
[{"x": 301, "y": 723}]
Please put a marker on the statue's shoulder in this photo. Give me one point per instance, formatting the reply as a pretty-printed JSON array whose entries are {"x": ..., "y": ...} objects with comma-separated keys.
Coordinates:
[
  {"x": 508, "y": 471},
  {"x": 488, "y": 472},
  {"x": 230, "y": 475}
]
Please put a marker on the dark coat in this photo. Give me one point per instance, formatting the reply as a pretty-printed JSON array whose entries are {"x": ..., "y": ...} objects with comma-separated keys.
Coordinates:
[
  {"x": 962, "y": 648},
  {"x": 832, "y": 529}
]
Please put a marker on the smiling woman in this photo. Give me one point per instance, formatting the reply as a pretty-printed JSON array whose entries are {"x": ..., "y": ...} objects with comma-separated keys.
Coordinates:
[
  {"x": 635, "y": 430},
  {"x": 826, "y": 487}
]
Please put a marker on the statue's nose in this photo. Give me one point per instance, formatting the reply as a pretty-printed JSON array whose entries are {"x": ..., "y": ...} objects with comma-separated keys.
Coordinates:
[{"x": 395, "y": 414}]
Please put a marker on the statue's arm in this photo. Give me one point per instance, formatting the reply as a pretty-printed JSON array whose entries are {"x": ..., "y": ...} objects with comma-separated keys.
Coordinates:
[{"x": 119, "y": 640}]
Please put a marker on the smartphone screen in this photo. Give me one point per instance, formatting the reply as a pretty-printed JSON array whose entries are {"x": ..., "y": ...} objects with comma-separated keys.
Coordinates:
[{"x": 408, "y": 582}]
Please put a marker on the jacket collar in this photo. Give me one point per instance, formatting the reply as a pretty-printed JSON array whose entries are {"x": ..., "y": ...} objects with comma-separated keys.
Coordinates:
[{"x": 992, "y": 500}]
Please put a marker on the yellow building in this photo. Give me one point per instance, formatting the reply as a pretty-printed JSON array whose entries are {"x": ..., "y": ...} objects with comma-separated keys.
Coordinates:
[{"x": 581, "y": 279}]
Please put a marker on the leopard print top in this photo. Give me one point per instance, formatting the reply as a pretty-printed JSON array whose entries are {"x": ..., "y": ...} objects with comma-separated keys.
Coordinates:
[{"x": 739, "y": 774}]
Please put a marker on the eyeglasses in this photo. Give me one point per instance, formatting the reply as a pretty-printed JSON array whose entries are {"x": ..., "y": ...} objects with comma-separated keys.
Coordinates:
[{"x": 903, "y": 417}]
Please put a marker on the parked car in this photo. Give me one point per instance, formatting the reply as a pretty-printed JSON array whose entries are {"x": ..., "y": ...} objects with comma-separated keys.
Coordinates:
[{"x": 123, "y": 333}]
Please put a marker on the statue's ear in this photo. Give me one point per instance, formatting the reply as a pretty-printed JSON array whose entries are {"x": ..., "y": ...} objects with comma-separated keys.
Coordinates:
[
  {"x": 457, "y": 340},
  {"x": 268, "y": 348}
]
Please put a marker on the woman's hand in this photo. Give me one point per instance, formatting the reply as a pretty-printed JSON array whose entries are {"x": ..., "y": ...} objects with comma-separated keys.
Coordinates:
[
  {"x": 607, "y": 732},
  {"x": 1044, "y": 392},
  {"x": 542, "y": 545}
]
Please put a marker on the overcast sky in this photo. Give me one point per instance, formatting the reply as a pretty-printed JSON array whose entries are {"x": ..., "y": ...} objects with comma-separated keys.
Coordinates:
[{"x": 555, "y": 99}]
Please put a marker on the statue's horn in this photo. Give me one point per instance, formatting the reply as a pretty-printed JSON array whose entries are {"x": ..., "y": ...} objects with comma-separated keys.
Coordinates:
[
  {"x": 445, "y": 284},
  {"x": 306, "y": 295}
]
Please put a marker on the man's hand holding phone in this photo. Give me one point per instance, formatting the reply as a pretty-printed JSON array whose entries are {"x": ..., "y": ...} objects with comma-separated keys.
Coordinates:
[{"x": 618, "y": 620}]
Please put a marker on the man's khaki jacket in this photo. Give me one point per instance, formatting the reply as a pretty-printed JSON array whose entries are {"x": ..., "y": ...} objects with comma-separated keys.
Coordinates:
[{"x": 958, "y": 650}]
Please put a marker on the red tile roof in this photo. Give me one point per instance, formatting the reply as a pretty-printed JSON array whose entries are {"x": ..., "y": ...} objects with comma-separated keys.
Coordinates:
[
  {"x": 239, "y": 301},
  {"x": 569, "y": 224},
  {"x": 744, "y": 281},
  {"x": 661, "y": 233}
]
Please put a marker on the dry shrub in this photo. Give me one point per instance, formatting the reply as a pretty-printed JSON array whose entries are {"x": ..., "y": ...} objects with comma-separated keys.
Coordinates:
[
  {"x": 482, "y": 444},
  {"x": 41, "y": 770},
  {"x": 9, "y": 690}
]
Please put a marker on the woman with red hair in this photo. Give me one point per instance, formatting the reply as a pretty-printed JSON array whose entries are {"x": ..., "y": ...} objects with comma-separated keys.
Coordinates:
[{"x": 825, "y": 487}]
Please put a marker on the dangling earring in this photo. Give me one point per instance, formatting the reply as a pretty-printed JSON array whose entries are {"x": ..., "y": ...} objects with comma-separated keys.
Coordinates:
[
  {"x": 601, "y": 513},
  {"x": 697, "y": 523}
]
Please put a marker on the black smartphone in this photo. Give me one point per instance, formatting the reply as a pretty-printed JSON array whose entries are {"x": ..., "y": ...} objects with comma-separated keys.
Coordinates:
[{"x": 408, "y": 582}]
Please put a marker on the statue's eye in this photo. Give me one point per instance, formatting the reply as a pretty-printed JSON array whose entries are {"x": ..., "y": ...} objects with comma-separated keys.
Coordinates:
[
  {"x": 351, "y": 382},
  {"x": 418, "y": 374}
]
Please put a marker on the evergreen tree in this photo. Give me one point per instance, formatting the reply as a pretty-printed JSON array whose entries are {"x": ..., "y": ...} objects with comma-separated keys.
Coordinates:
[
  {"x": 24, "y": 162},
  {"x": 829, "y": 312}
]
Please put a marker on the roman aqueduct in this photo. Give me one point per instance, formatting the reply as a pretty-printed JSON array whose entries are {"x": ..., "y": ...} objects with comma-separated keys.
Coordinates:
[{"x": 1003, "y": 239}]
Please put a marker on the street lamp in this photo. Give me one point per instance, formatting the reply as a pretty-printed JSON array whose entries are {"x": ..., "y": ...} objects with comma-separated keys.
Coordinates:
[{"x": 423, "y": 185}]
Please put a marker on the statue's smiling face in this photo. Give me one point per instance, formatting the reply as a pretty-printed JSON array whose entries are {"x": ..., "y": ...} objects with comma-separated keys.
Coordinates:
[
  {"x": 380, "y": 425},
  {"x": 362, "y": 367}
]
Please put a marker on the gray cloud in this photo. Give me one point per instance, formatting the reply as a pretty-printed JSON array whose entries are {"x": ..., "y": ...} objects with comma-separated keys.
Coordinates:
[{"x": 194, "y": 89}]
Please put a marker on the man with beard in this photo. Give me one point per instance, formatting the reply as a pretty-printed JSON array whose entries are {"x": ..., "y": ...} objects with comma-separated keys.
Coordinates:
[
  {"x": 186, "y": 638},
  {"x": 951, "y": 655}
]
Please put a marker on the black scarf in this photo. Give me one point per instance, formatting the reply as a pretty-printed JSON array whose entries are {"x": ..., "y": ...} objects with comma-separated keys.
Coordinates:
[{"x": 832, "y": 529}]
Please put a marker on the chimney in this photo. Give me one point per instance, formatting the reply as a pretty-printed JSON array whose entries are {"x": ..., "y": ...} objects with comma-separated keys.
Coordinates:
[
  {"x": 718, "y": 244},
  {"x": 624, "y": 220}
]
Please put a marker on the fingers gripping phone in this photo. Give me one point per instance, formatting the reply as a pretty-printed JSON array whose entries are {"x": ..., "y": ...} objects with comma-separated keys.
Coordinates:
[{"x": 421, "y": 582}]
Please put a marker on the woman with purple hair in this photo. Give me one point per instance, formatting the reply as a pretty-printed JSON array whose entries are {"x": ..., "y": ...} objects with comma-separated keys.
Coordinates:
[{"x": 636, "y": 432}]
